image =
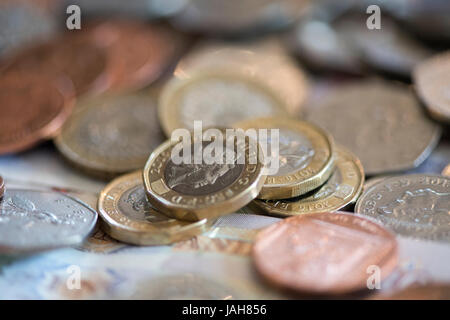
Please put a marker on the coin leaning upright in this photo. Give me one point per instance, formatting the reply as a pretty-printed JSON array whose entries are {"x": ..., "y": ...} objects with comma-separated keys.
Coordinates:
[
  {"x": 414, "y": 205},
  {"x": 192, "y": 192},
  {"x": 110, "y": 135},
  {"x": 381, "y": 122},
  {"x": 324, "y": 253},
  {"x": 342, "y": 188},
  {"x": 32, "y": 221},
  {"x": 129, "y": 217},
  {"x": 305, "y": 156},
  {"x": 432, "y": 83}
]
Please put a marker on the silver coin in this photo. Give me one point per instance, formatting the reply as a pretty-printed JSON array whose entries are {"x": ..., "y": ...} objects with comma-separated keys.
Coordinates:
[
  {"x": 381, "y": 122},
  {"x": 32, "y": 221},
  {"x": 411, "y": 205},
  {"x": 21, "y": 24}
]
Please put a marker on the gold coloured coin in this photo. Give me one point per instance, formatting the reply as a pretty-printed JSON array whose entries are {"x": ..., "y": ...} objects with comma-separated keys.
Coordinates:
[
  {"x": 343, "y": 188},
  {"x": 305, "y": 156},
  {"x": 194, "y": 192},
  {"x": 110, "y": 135},
  {"x": 218, "y": 99},
  {"x": 129, "y": 217}
]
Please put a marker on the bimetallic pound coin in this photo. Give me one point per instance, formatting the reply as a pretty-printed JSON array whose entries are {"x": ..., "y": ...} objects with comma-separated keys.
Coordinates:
[
  {"x": 110, "y": 135},
  {"x": 32, "y": 221},
  {"x": 324, "y": 253},
  {"x": 432, "y": 83},
  {"x": 446, "y": 171},
  {"x": 381, "y": 122},
  {"x": 129, "y": 217},
  {"x": 411, "y": 205},
  {"x": 192, "y": 192},
  {"x": 33, "y": 108},
  {"x": 342, "y": 188},
  {"x": 305, "y": 156},
  {"x": 82, "y": 61},
  {"x": 216, "y": 99}
]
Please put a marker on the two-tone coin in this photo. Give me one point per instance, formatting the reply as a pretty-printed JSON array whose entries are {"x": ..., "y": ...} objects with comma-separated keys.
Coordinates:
[
  {"x": 431, "y": 79},
  {"x": 32, "y": 221},
  {"x": 110, "y": 135},
  {"x": 218, "y": 99},
  {"x": 129, "y": 217},
  {"x": 265, "y": 61},
  {"x": 324, "y": 253},
  {"x": 195, "y": 190},
  {"x": 381, "y": 122},
  {"x": 305, "y": 156},
  {"x": 342, "y": 188},
  {"x": 33, "y": 108},
  {"x": 411, "y": 205}
]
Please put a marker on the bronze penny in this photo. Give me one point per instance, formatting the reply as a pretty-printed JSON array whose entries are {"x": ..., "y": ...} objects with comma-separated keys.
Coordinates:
[
  {"x": 33, "y": 107},
  {"x": 324, "y": 253},
  {"x": 80, "y": 60},
  {"x": 137, "y": 53}
]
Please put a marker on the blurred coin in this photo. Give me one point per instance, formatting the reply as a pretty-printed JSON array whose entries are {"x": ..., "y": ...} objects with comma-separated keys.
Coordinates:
[
  {"x": 22, "y": 24},
  {"x": 82, "y": 61},
  {"x": 411, "y": 205},
  {"x": 342, "y": 188},
  {"x": 110, "y": 135},
  {"x": 33, "y": 108},
  {"x": 265, "y": 61},
  {"x": 129, "y": 217},
  {"x": 137, "y": 52},
  {"x": 373, "y": 181},
  {"x": 381, "y": 122},
  {"x": 389, "y": 49},
  {"x": 324, "y": 253},
  {"x": 432, "y": 83},
  {"x": 317, "y": 43},
  {"x": 32, "y": 221},
  {"x": 436, "y": 162},
  {"x": 2, "y": 187},
  {"x": 192, "y": 192},
  {"x": 233, "y": 16},
  {"x": 446, "y": 171},
  {"x": 433, "y": 291},
  {"x": 216, "y": 99},
  {"x": 305, "y": 155}
]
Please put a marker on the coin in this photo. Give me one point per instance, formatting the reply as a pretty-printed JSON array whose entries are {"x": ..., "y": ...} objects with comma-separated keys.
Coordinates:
[
  {"x": 431, "y": 79},
  {"x": 305, "y": 156},
  {"x": 129, "y": 217},
  {"x": 216, "y": 99},
  {"x": 2, "y": 187},
  {"x": 342, "y": 188},
  {"x": 137, "y": 52},
  {"x": 446, "y": 171},
  {"x": 110, "y": 135},
  {"x": 373, "y": 181},
  {"x": 432, "y": 291},
  {"x": 82, "y": 61},
  {"x": 265, "y": 61},
  {"x": 324, "y": 253},
  {"x": 381, "y": 122},
  {"x": 411, "y": 205},
  {"x": 32, "y": 221},
  {"x": 33, "y": 108},
  {"x": 194, "y": 192},
  {"x": 22, "y": 24}
]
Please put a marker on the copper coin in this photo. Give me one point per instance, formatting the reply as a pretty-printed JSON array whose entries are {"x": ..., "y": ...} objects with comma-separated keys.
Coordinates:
[
  {"x": 80, "y": 60},
  {"x": 32, "y": 108},
  {"x": 432, "y": 291},
  {"x": 324, "y": 253},
  {"x": 2, "y": 187},
  {"x": 137, "y": 53}
]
